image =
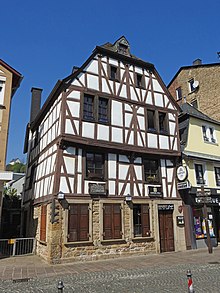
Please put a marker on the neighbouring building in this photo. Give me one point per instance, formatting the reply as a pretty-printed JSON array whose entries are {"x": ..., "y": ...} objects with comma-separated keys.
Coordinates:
[
  {"x": 102, "y": 154},
  {"x": 198, "y": 84},
  {"x": 200, "y": 170},
  {"x": 10, "y": 80}
]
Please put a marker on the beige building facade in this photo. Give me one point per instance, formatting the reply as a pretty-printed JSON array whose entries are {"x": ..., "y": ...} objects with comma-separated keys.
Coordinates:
[{"x": 10, "y": 80}]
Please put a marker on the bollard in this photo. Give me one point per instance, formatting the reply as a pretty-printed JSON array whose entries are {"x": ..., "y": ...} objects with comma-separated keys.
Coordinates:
[
  {"x": 60, "y": 286},
  {"x": 190, "y": 283}
]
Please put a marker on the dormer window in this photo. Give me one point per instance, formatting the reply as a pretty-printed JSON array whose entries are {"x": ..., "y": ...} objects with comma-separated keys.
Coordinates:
[{"x": 123, "y": 49}]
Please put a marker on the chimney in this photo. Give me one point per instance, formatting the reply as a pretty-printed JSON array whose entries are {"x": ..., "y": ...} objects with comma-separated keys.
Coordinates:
[
  {"x": 35, "y": 103},
  {"x": 75, "y": 68},
  {"x": 197, "y": 62}
]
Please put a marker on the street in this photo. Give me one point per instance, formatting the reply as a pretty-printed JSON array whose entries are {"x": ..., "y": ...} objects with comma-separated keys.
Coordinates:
[{"x": 151, "y": 273}]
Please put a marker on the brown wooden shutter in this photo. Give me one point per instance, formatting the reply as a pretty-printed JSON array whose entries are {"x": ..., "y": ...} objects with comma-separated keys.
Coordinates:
[
  {"x": 83, "y": 222},
  {"x": 117, "y": 221},
  {"x": 107, "y": 221},
  {"x": 43, "y": 223},
  {"x": 112, "y": 221},
  {"x": 145, "y": 220},
  {"x": 78, "y": 226}
]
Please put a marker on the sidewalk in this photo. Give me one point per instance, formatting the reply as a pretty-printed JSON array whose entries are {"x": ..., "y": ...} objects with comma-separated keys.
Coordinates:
[{"x": 28, "y": 267}]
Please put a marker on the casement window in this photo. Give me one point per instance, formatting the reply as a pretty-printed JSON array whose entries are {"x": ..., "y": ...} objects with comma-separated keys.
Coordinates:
[
  {"x": 78, "y": 222},
  {"x": 95, "y": 109},
  {"x": 88, "y": 107},
  {"x": 191, "y": 85},
  {"x": 151, "y": 120},
  {"x": 194, "y": 103},
  {"x": 114, "y": 72},
  {"x": 112, "y": 225},
  {"x": 141, "y": 220},
  {"x": 179, "y": 93},
  {"x": 140, "y": 80},
  {"x": 94, "y": 165},
  {"x": 43, "y": 223},
  {"x": 163, "y": 124},
  {"x": 151, "y": 171},
  {"x": 199, "y": 174},
  {"x": 217, "y": 176},
  {"x": 208, "y": 134}
]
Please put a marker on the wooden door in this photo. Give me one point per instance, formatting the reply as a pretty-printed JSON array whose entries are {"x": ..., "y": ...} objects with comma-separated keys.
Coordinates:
[{"x": 166, "y": 231}]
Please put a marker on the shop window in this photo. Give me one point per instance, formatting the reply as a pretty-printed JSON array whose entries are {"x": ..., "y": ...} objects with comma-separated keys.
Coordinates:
[
  {"x": 78, "y": 222},
  {"x": 141, "y": 220},
  {"x": 199, "y": 174},
  {"x": 199, "y": 224},
  {"x": 151, "y": 121},
  {"x": 163, "y": 125},
  {"x": 151, "y": 171},
  {"x": 43, "y": 223},
  {"x": 94, "y": 165},
  {"x": 112, "y": 226},
  {"x": 217, "y": 176}
]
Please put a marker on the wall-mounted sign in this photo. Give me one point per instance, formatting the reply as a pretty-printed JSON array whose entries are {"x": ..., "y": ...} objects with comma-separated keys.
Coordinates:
[
  {"x": 183, "y": 185},
  {"x": 180, "y": 221},
  {"x": 155, "y": 191},
  {"x": 206, "y": 192},
  {"x": 97, "y": 189},
  {"x": 165, "y": 207},
  {"x": 209, "y": 199},
  {"x": 181, "y": 173}
]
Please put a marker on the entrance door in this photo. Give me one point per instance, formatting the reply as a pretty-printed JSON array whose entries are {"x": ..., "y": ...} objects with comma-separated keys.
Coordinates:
[{"x": 166, "y": 231}]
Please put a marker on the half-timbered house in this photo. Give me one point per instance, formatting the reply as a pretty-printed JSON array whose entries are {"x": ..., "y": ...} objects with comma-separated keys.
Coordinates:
[{"x": 102, "y": 155}]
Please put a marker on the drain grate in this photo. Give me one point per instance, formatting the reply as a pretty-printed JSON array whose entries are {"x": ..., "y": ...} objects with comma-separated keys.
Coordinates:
[
  {"x": 214, "y": 262},
  {"x": 21, "y": 280}
]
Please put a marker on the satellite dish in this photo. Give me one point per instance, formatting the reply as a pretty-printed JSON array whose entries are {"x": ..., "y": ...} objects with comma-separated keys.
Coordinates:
[{"x": 195, "y": 84}]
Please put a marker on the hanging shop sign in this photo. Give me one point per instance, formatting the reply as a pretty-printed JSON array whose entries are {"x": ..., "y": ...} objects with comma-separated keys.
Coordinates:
[
  {"x": 97, "y": 189},
  {"x": 155, "y": 191},
  {"x": 181, "y": 173},
  {"x": 165, "y": 207},
  {"x": 183, "y": 185}
]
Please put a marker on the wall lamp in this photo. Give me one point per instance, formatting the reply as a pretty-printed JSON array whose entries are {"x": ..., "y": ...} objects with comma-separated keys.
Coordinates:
[
  {"x": 60, "y": 195},
  {"x": 128, "y": 198}
]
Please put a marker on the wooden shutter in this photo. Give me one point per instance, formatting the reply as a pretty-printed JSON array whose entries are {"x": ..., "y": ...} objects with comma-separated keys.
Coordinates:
[
  {"x": 43, "y": 222},
  {"x": 107, "y": 221},
  {"x": 145, "y": 220},
  {"x": 117, "y": 221},
  {"x": 112, "y": 221},
  {"x": 78, "y": 226}
]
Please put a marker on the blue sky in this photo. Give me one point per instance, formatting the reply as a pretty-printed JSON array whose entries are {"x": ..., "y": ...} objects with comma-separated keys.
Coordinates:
[{"x": 43, "y": 40}]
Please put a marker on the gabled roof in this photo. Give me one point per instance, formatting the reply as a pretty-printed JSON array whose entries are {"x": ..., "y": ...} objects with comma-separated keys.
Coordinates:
[
  {"x": 193, "y": 112},
  {"x": 17, "y": 77},
  {"x": 110, "y": 50},
  {"x": 192, "y": 67}
]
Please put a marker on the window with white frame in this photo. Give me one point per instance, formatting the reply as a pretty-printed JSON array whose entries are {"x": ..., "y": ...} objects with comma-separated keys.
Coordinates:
[
  {"x": 199, "y": 172},
  {"x": 192, "y": 88},
  {"x": 179, "y": 93},
  {"x": 208, "y": 134},
  {"x": 217, "y": 176}
]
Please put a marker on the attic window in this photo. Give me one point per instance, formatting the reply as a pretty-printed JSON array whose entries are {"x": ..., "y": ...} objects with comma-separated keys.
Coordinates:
[
  {"x": 122, "y": 49},
  {"x": 139, "y": 80}
]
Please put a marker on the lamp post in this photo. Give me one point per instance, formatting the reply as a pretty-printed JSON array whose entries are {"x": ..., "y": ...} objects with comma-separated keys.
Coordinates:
[{"x": 206, "y": 219}]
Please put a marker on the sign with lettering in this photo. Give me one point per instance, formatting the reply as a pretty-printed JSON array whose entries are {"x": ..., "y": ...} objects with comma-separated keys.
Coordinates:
[
  {"x": 203, "y": 199},
  {"x": 181, "y": 173},
  {"x": 97, "y": 189},
  {"x": 180, "y": 221},
  {"x": 183, "y": 185},
  {"x": 155, "y": 191},
  {"x": 165, "y": 207}
]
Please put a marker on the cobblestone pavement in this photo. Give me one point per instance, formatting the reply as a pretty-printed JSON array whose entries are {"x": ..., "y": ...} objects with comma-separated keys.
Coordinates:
[{"x": 137, "y": 274}]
